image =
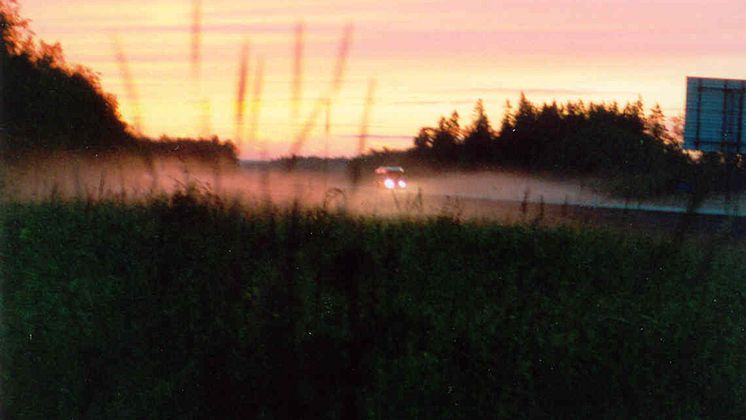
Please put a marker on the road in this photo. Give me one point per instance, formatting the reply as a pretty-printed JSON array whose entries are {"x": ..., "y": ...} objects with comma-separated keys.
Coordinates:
[{"x": 509, "y": 198}]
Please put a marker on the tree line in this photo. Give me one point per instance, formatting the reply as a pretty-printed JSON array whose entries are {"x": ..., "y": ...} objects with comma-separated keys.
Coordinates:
[{"x": 571, "y": 138}]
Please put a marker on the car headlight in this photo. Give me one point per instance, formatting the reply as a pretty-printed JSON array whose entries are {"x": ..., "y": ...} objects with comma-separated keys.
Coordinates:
[
  {"x": 402, "y": 183},
  {"x": 389, "y": 183}
]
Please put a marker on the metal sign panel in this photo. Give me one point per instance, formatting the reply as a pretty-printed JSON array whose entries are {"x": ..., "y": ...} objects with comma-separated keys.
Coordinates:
[{"x": 714, "y": 115}]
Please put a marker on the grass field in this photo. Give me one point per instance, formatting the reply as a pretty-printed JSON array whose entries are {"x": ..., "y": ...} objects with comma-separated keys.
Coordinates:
[{"x": 187, "y": 306}]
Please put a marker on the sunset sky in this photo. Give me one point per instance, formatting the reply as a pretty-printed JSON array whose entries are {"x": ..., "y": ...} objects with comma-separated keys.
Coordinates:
[{"x": 428, "y": 57}]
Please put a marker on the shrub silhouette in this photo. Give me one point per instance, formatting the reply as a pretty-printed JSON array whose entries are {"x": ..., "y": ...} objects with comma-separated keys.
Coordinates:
[{"x": 47, "y": 104}]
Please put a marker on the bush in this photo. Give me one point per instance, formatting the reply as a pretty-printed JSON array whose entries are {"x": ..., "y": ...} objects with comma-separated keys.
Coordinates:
[{"x": 190, "y": 307}]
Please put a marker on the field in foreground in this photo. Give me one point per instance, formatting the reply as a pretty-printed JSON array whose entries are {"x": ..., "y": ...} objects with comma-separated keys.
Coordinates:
[{"x": 188, "y": 307}]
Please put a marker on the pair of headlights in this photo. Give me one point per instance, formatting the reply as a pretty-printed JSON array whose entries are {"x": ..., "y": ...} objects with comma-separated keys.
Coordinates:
[{"x": 391, "y": 184}]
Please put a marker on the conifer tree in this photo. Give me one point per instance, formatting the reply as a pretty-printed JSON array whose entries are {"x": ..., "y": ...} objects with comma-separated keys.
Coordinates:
[{"x": 479, "y": 136}]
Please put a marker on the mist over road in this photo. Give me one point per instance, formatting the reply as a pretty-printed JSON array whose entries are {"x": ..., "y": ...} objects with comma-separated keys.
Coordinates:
[{"x": 499, "y": 196}]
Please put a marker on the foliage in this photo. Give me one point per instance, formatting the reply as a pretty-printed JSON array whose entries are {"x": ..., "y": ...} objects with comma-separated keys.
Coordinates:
[
  {"x": 49, "y": 105},
  {"x": 479, "y": 136},
  {"x": 619, "y": 144},
  {"x": 212, "y": 149},
  {"x": 188, "y": 307}
]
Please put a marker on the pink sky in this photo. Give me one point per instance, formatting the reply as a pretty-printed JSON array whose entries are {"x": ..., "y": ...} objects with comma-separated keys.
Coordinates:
[{"x": 428, "y": 57}]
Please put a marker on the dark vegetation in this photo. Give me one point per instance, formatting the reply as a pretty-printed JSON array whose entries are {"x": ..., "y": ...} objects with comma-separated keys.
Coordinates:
[
  {"x": 211, "y": 149},
  {"x": 47, "y": 105},
  {"x": 187, "y": 307},
  {"x": 313, "y": 163},
  {"x": 635, "y": 155},
  {"x": 573, "y": 137}
]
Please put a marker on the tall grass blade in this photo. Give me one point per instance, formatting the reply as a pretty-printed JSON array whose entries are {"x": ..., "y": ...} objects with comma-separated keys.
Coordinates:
[
  {"x": 203, "y": 105},
  {"x": 129, "y": 84},
  {"x": 196, "y": 42},
  {"x": 256, "y": 103},
  {"x": 336, "y": 84},
  {"x": 205, "y": 117},
  {"x": 327, "y": 128},
  {"x": 365, "y": 124},
  {"x": 243, "y": 76},
  {"x": 297, "y": 93}
]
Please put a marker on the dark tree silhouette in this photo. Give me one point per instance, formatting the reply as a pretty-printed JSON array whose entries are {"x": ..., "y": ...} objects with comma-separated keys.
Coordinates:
[
  {"x": 47, "y": 104},
  {"x": 51, "y": 104},
  {"x": 447, "y": 138},
  {"x": 508, "y": 121},
  {"x": 577, "y": 138},
  {"x": 655, "y": 124},
  {"x": 479, "y": 137},
  {"x": 423, "y": 143},
  {"x": 518, "y": 142}
]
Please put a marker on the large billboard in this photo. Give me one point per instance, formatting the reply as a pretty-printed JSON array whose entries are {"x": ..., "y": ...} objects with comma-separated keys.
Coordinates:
[{"x": 714, "y": 115}]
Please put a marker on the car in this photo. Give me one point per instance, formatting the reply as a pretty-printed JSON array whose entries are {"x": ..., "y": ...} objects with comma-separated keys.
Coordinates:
[{"x": 390, "y": 177}]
